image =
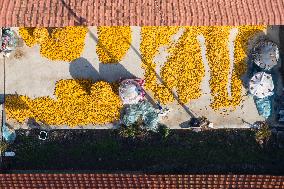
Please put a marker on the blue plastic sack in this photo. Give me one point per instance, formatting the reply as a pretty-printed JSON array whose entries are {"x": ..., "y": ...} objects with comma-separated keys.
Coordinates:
[
  {"x": 8, "y": 134},
  {"x": 143, "y": 110},
  {"x": 263, "y": 106}
]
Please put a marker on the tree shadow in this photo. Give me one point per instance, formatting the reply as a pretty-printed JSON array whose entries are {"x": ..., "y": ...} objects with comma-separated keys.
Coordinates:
[
  {"x": 33, "y": 124},
  {"x": 275, "y": 71},
  {"x": 252, "y": 68},
  {"x": 81, "y": 68},
  {"x": 114, "y": 72},
  {"x": 185, "y": 124},
  {"x": 105, "y": 69}
]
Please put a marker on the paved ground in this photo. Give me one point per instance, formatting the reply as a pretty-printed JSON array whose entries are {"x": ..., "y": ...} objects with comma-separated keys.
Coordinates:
[
  {"x": 36, "y": 76},
  {"x": 140, "y": 12}
]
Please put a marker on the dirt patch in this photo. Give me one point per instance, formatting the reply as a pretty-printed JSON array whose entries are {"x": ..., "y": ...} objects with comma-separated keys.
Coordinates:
[{"x": 19, "y": 54}]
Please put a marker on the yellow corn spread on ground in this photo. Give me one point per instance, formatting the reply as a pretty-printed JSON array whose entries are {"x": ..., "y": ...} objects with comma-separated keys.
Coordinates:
[
  {"x": 219, "y": 62},
  {"x": 79, "y": 102},
  {"x": 184, "y": 69},
  {"x": 217, "y": 53},
  {"x": 64, "y": 44},
  {"x": 152, "y": 38},
  {"x": 40, "y": 34},
  {"x": 113, "y": 44},
  {"x": 27, "y": 35}
]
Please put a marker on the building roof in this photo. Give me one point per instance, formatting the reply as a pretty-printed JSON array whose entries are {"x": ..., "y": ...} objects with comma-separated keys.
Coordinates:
[
  {"x": 58, "y": 13},
  {"x": 139, "y": 181}
]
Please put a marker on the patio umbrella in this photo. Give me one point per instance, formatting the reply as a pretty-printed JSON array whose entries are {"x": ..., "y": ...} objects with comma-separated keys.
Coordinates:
[
  {"x": 265, "y": 54},
  {"x": 130, "y": 92},
  {"x": 261, "y": 85}
]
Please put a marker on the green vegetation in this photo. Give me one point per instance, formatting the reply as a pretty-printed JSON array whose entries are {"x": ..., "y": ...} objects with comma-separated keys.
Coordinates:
[
  {"x": 263, "y": 134},
  {"x": 3, "y": 146},
  {"x": 164, "y": 131},
  {"x": 216, "y": 151}
]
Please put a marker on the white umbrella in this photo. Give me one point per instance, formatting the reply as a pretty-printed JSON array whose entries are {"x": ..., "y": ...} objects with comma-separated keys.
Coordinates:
[
  {"x": 130, "y": 92},
  {"x": 265, "y": 54},
  {"x": 261, "y": 85}
]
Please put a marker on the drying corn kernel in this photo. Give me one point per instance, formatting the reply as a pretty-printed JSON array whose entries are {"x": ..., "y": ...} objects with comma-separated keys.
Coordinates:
[
  {"x": 217, "y": 53},
  {"x": 219, "y": 62},
  {"x": 113, "y": 44},
  {"x": 78, "y": 102},
  {"x": 27, "y": 35},
  {"x": 184, "y": 69},
  {"x": 64, "y": 44},
  {"x": 152, "y": 38}
]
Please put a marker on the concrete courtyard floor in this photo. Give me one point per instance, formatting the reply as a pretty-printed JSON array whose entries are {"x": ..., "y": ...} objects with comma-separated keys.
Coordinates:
[{"x": 35, "y": 76}]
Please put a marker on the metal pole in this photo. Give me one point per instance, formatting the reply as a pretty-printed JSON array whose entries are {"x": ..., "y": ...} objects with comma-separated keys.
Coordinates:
[
  {"x": 4, "y": 97},
  {"x": 4, "y": 92},
  {"x": 3, "y": 108}
]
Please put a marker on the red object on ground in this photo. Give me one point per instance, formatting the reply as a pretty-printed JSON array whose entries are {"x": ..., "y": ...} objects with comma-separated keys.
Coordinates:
[
  {"x": 113, "y": 181},
  {"x": 141, "y": 82},
  {"x": 58, "y": 13}
]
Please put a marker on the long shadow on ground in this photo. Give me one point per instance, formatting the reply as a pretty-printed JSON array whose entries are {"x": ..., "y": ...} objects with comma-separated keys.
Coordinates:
[{"x": 81, "y": 68}]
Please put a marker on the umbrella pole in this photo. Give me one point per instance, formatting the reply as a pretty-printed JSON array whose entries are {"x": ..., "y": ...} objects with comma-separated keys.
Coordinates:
[{"x": 3, "y": 107}]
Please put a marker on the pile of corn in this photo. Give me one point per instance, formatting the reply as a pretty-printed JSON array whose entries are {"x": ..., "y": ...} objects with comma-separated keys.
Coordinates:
[
  {"x": 219, "y": 62},
  {"x": 27, "y": 35},
  {"x": 79, "y": 102},
  {"x": 154, "y": 37},
  {"x": 113, "y": 43},
  {"x": 40, "y": 34},
  {"x": 64, "y": 44},
  {"x": 184, "y": 69},
  {"x": 17, "y": 107},
  {"x": 217, "y": 53}
]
